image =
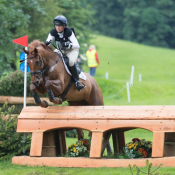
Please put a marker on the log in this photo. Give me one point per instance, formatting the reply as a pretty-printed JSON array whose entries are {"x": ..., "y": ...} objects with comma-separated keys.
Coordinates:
[{"x": 19, "y": 100}]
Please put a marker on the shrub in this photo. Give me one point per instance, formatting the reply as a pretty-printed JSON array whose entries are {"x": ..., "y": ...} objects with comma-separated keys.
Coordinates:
[
  {"x": 71, "y": 133},
  {"x": 11, "y": 142},
  {"x": 13, "y": 85}
]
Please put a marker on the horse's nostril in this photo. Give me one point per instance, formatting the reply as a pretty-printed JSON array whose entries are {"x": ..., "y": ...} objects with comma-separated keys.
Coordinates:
[{"x": 36, "y": 83}]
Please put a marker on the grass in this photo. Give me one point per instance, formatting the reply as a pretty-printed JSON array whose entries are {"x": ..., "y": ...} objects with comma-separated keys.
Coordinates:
[
  {"x": 155, "y": 64},
  {"x": 6, "y": 168}
]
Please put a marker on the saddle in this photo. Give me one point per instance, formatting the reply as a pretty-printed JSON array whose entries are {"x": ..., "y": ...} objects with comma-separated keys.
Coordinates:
[{"x": 66, "y": 60}]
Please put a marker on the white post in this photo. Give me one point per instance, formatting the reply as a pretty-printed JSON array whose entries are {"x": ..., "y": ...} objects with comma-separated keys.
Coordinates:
[
  {"x": 25, "y": 79},
  {"x": 107, "y": 76},
  {"x": 140, "y": 77},
  {"x": 132, "y": 76},
  {"x": 128, "y": 92},
  {"x": 25, "y": 88}
]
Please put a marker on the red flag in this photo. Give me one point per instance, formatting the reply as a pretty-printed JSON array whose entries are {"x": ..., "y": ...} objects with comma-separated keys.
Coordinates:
[{"x": 22, "y": 41}]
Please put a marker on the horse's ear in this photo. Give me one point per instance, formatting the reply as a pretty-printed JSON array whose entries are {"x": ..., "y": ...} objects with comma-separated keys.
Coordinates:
[
  {"x": 35, "y": 50},
  {"x": 25, "y": 51}
]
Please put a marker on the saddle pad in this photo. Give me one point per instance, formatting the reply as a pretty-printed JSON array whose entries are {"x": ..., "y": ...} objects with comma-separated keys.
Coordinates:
[{"x": 81, "y": 75}]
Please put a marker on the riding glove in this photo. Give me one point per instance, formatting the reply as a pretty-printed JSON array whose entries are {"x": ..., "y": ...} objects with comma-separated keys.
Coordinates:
[
  {"x": 65, "y": 44},
  {"x": 47, "y": 43}
]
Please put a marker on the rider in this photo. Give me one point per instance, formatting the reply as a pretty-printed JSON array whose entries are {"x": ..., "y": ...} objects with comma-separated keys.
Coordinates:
[{"x": 67, "y": 42}]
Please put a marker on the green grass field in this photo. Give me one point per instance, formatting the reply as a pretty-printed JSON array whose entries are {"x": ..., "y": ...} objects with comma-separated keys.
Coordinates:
[
  {"x": 156, "y": 88},
  {"x": 155, "y": 64}
]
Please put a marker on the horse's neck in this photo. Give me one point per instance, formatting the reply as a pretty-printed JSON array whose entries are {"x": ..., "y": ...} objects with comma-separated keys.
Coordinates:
[
  {"x": 50, "y": 58},
  {"x": 58, "y": 68}
]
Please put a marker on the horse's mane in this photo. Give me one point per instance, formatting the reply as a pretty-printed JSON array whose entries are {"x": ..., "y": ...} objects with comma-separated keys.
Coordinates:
[
  {"x": 44, "y": 50},
  {"x": 38, "y": 43}
]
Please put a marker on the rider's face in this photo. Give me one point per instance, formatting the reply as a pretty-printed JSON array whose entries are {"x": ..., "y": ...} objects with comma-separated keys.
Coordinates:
[{"x": 59, "y": 28}]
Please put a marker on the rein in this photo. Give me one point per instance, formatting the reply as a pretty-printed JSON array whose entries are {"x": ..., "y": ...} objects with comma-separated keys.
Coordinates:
[{"x": 43, "y": 71}]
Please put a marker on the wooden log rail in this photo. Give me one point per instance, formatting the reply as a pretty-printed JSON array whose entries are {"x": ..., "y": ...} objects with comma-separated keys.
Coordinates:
[
  {"x": 19, "y": 100},
  {"x": 47, "y": 126}
]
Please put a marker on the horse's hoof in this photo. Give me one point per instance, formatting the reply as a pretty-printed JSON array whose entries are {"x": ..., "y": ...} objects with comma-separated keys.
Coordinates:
[
  {"x": 43, "y": 104},
  {"x": 46, "y": 104},
  {"x": 57, "y": 101}
]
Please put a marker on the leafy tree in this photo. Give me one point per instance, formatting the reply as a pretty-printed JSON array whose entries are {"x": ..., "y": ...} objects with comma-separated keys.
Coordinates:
[
  {"x": 40, "y": 24},
  {"x": 109, "y": 16},
  {"x": 14, "y": 20},
  {"x": 150, "y": 22},
  {"x": 144, "y": 23}
]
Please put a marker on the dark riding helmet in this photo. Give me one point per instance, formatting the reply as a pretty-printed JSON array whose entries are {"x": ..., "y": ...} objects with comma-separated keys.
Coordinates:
[{"x": 60, "y": 21}]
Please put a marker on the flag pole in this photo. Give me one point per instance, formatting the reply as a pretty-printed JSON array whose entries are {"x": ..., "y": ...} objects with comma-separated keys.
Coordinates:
[
  {"x": 24, "y": 42},
  {"x": 25, "y": 79}
]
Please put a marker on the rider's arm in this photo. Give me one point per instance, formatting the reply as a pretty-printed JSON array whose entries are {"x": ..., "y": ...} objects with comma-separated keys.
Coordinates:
[
  {"x": 49, "y": 39},
  {"x": 74, "y": 42}
]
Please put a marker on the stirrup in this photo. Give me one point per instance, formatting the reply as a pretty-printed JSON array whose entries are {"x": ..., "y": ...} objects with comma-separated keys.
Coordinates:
[{"x": 80, "y": 87}]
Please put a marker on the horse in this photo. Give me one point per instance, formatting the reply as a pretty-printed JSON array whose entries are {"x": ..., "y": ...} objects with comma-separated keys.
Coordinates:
[{"x": 48, "y": 73}]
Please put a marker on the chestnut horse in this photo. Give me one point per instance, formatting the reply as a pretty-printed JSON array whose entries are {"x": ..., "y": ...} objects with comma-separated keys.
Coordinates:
[{"x": 48, "y": 72}]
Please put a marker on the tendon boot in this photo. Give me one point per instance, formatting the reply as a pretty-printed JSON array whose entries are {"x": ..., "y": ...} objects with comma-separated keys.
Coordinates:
[
  {"x": 51, "y": 95},
  {"x": 79, "y": 85}
]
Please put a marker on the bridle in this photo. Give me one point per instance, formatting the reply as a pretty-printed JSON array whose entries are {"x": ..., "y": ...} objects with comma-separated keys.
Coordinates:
[{"x": 42, "y": 71}]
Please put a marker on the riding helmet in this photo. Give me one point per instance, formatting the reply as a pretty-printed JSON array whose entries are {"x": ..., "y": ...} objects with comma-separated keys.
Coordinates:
[{"x": 60, "y": 20}]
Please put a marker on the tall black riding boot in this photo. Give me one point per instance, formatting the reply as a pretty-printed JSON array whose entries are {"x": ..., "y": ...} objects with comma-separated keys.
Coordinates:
[{"x": 79, "y": 85}]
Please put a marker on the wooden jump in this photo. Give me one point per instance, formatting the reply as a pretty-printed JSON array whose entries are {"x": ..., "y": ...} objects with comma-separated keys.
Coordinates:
[{"x": 48, "y": 137}]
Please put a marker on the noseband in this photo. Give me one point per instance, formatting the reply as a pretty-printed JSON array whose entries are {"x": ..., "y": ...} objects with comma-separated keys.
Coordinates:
[{"x": 42, "y": 71}]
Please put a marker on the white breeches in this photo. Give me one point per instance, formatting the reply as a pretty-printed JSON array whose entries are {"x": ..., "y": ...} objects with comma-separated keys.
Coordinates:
[{"x": 72, "y": 54}]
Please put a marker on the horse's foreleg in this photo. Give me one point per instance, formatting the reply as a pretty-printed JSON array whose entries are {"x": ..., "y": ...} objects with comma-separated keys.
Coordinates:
[
  {"x": 37, "y": 99},
  {"x": 52, "y": 98},
  {"x": 53, "y": 86}
]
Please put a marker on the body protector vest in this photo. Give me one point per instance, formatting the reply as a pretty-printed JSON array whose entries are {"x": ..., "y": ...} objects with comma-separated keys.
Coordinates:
[
  {"x": 91, "y": 58},
  {"x": 62, "y": 37}
]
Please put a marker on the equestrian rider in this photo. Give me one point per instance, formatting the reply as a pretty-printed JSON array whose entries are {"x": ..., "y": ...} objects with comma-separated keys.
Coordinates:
[{"x": 65, "y": 39}]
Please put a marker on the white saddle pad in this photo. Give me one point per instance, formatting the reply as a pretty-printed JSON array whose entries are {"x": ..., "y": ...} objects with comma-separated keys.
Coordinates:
[{"x": 81, "y": 75}]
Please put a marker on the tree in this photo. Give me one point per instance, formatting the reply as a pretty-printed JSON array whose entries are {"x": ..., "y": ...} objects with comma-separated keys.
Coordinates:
[
  {"x": 143, "y": 21},
  {"x": 14, "y": 21},
  {"x": 109, "y": 17}
]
